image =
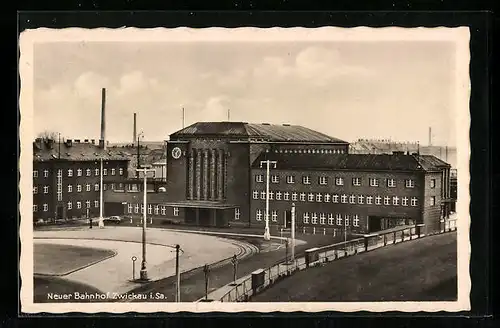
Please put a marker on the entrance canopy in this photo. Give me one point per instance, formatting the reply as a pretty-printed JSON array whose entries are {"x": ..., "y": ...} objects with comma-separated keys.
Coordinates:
[{"x": 201, "y": 204}]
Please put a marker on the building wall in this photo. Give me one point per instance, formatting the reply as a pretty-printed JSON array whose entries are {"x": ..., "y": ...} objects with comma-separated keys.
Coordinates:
[
  {"x": 363, "y": 210},
  {"x": 177, "y": 171},
  {"x": 71, "y": 197},
  {"x": 432, "y": 209}
]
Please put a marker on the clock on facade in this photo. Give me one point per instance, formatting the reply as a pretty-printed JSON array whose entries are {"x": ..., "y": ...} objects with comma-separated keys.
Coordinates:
[{"x": 176, "y": 152}]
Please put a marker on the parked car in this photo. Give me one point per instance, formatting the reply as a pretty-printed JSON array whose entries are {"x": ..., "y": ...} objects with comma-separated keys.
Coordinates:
[{"x": 113, "y": 219}]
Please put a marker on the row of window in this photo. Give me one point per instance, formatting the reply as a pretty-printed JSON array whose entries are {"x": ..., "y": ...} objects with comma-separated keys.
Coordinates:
[
  {"x": 343, "y": 199},
  {"x": 339, "y": 181},
  {"x": 157, "y": 209},
  {"x": 79, "y": 172},
  {"x": 310, "y": 151},
  {"x": 322, "y": 218},
  {"x": 88, "y": 187},
  {"x": 45, "y": 207}
]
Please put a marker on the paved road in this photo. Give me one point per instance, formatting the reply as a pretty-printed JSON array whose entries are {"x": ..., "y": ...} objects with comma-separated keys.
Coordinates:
[{"x": 419, "y": 270}]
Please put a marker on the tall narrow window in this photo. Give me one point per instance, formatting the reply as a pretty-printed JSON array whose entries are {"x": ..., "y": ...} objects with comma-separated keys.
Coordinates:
[{"x": 236, "y": 213}]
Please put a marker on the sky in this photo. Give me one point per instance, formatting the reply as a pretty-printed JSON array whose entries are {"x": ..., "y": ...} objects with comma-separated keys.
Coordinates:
[{"x": 348, "y": 90}]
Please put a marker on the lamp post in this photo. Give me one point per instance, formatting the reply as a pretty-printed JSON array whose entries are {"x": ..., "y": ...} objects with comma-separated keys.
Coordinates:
[
  {"x": 177, "y": 275},
  {"x": 144, "y": 271},
  {"x": 293, "y": 232},
  {"x": 267, "y": 235},
  {"x": 101, "y": 203}
]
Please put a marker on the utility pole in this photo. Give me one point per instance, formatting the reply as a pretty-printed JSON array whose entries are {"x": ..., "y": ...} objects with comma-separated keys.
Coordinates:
[
  {"x": 234, "y": 261},
  {"x": 183, "y": 116},
  {"x": 206, "y": 270},
  {"x": 177, "y": 275},
  {"x": 101, "y": 198},
  {"x": 144, "y": 271},
  {"x": 293, "y": 232},
  {"x": 267, "y": 234}
]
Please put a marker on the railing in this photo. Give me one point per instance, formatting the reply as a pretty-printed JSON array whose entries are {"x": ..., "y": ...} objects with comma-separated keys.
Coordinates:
[{"x": 246, "y": 288}]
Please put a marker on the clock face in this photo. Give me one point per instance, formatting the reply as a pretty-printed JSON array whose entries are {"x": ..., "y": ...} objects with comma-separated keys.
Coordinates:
[{"x": 176, "y": 152}]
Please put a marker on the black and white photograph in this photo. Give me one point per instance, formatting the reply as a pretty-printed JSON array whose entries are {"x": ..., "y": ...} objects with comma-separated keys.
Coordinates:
[{"x": 246, "y": 169}]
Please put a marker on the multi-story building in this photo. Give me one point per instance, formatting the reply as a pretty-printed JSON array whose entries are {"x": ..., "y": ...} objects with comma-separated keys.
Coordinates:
[
  {"x": 66, "y": 177},
  {"x": 364, "y": 192}
]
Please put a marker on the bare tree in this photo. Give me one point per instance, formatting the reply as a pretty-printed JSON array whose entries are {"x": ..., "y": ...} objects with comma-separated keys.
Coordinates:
[{"x": 48, "y": 135}]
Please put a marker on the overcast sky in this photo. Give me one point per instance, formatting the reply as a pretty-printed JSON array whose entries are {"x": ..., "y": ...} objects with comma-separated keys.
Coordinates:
[{"x": 348, "y": 90}]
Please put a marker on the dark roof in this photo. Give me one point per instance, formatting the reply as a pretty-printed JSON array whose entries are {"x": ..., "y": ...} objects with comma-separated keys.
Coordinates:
[
  {"x": 267, "y": 132},
  {"x": 78, "y": 151},
  {"x": 369, "y": 162}
]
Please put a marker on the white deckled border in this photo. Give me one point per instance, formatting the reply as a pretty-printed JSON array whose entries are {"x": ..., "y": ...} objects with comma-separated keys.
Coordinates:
[{"x": 460, "y": 36}]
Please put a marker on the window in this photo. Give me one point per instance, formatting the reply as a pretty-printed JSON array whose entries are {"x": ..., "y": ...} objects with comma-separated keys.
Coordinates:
[
  {"x": 271, "y": 195},
  {"x": 305, "y": 218},
  {"x": 314, "y": 218},
  {"x": 286, "y": 196},
  {"x": 352, "y": 199},
  {"x": 255, "y": 194},
  {"x": 310, "y": 197},
  {"x": 339, "y": 219},
  {"x": 45, "y": 173},
  {"x": 176, "y": 211},
  {"x": 45, "y": 207},
  {"x": 369, "y": 200},
  {"x": 306, "y": 179},
  {"x": 120, "y": 170},
  {"x": 142, "y": 209},
  {"x": 163, "y": 210},
  {"x": 346, "y": 220},
  {"x": 70, "y": 172},
  {"x": 361, "y": 199},
  {"x": 89, "y": 172},
  {"x": 323, "y": 180},
  {"x": 79, "y": 188},
  {"x": 275, "y": 179},
  {"x": 262, "y": 195},
  {"x": 433, "y": 200},
  {"x": 157, "y": 209},
  {"x": 96, "y": 203},
  {"x": 129, "y": 208},
  {"x": 410, "y": 183},
  {"x": 294, "y": 196},
  {"x": 150, "y": 209},
  {"x": 404, "y": 201},
  {"x": 391, "y": 183},
  {"x": 414, "y": 201},
  {"x": 112, "y": 186},
  {"x": 236, "y": 213},
  {"x": 35, "y": 190},
  {"x": 395, "y": 200},
  {"x": 87, "y": 203},
  {"x": 322, "y": 218},
  {"x": 96, "y": 172},
  {"x": 278, "y": 195},
  {"x": 335, "y": 198},
  {"x": 377, "y": 200},
  {"x": 45, "y": 189},
  {"x": 104, "y": 171},
  {"x": 290, "y": 179},
  {"x": 35, "y": 208},
  {"x": 274, "y": 216},
  {"x": 356, "y": 181},
  {"x": 343, "y": 199},
  {"x": 136, "y": 208},
  {"x": 96, "y": 187},
  {"x": 258, "y": 215},
  {"x": 87, "y": 187},
  {"x": 302, "y": 197},
  {"x": 78, "y": 205},
  {"x": 113, "y": 171},
  {"x": 373, "y": 182},
  {"x": 319, "y": 198},
  {"x": 59, "y": 173},
  {"x": 327, "y": 198},
  {"x": 79, "y": 172},
  {"x": 355, "y": 220},
  {"x": 433, "y": 183},
  {"x": 387, "y": 200},
  {"x": 339, "y": 181},
  {"x": 330, "y": 219},
  {"x": 259, "y": 178},
  {"x": 35, "y": 175}
]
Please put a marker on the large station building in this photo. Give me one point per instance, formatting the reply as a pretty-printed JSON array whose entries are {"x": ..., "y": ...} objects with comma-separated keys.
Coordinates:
[{"x": 216, "y": 176}]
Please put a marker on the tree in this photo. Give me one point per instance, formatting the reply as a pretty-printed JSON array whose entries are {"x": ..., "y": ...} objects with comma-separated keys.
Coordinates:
[{"x": 48, "y": 135}]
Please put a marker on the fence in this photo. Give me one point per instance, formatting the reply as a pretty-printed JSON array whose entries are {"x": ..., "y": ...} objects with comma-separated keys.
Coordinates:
[{"x": 264, "y": 278}]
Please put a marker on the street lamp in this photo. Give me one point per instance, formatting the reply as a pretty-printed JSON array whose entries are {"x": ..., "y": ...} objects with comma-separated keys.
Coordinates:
[
  {"x": 144, "y": 272},
  {"x": 101, "y": 202},
  {"x": 293, "y": 232},
  {"x": 267, "y": 235}
]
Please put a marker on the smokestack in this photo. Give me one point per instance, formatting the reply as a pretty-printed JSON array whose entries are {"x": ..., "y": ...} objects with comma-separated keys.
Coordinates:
[
  {"x": 134, "y": 138},
  {"x": 102, "y": 141},
  {"x": 430, "y": 136}
]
